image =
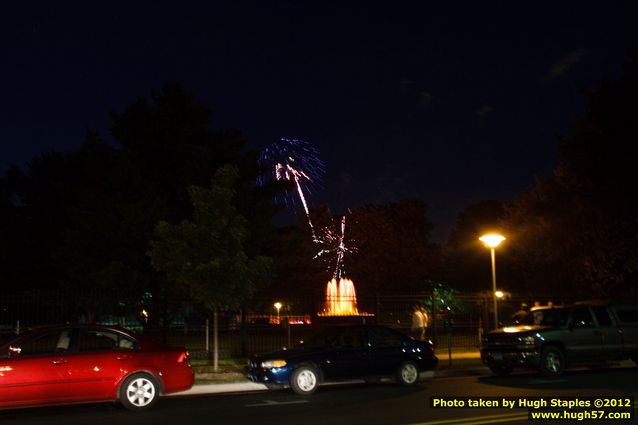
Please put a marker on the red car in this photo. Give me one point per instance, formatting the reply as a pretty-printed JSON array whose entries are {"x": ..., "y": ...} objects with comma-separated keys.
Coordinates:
[{"x": 89, "y": 363}]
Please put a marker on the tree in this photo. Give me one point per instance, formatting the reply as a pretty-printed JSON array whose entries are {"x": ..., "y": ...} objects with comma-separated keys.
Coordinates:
[
  {"x": 580, "y": 225},
  {"x": 207, "y": 255},
  {"x": 85, "y": 218},
  {"x": 394, "y": 252}
]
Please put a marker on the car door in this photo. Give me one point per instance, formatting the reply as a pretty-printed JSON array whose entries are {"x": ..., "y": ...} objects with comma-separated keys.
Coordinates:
[
  {"x": 583, "y": 340},
  {"x": 98, "y": 362},
  {"x": 386, "y": 351},
  {"x": 611, "y": 334},
  {"x": 348, "y": 359},
  {"x": 36, "y": 370}
]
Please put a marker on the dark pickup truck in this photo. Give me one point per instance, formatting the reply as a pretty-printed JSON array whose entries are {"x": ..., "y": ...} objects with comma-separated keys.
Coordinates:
[{"x": 551, "y": 339}]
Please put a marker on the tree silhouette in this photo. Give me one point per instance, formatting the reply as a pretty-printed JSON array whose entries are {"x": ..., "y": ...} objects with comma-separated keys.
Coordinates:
[
  {"x": 578, "y": 227},
  {"x": 207, "y": 254}
]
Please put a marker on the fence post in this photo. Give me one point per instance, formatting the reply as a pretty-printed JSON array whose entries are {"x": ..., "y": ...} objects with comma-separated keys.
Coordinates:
[
  {"x": 434, "y": 317},
  {"x": 207, "y": 336},
  {"x": 215, "y": 341},
  {"x": 242, "y": 332}
]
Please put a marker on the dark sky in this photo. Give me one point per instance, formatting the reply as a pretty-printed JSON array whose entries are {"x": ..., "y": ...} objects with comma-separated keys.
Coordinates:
[{"x": 452, "y": 102}]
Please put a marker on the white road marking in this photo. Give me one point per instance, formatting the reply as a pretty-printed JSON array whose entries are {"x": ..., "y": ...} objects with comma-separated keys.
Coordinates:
[
  {"x": 276, "y": 403},
  {"x": 545, "y": 381}
]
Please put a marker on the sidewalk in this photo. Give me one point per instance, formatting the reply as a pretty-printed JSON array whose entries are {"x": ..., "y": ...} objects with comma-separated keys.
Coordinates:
[
  {"x": 466, "y": 367},
  {"x": 463, "y": 364}
]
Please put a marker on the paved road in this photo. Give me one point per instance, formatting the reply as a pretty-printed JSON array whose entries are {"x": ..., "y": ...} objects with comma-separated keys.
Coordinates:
[{"x": 383, "y": 404}]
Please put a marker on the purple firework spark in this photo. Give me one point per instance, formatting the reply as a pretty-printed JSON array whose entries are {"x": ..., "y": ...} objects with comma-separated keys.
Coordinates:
[{"x": 297, "y": 161}]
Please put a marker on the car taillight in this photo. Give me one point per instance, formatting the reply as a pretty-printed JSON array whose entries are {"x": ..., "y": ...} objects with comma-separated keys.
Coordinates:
[{"x": 183, "y": 357}]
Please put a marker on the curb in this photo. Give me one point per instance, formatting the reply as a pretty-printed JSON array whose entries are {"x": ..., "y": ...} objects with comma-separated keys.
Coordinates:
[{"x": 238, "y": 387}]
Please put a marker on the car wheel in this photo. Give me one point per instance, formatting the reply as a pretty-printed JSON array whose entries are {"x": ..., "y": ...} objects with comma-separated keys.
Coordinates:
[
  {"x": 552, "y": 362},
  {"x": 304, "y": 380},
  {"x": 408, "y": 373},
  {"x": 139, "y": 391},
  {"x": 501, "y": 369}
]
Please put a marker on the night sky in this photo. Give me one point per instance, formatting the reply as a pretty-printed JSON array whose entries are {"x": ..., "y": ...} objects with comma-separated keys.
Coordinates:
[{"x": 452, "y": 102}]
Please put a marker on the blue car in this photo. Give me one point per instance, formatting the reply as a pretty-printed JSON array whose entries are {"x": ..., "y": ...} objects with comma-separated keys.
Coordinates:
[{"x": 344, "y": 353}]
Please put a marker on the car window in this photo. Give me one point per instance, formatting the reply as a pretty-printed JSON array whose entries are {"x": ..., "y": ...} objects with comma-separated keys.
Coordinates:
[
  {"x": 102, "y": 340},
  {"x": 323, "y": 339},
  {"x": 382, "y": 337},
  {"x": 582, "y": 318},
  {"x": 627, "y": 315},
  {"x": 351, "y": 338},
  {"x": 602, "y": 315},
  {"x": 50, "y": 342},
  {"x": 546, "y": 317}
]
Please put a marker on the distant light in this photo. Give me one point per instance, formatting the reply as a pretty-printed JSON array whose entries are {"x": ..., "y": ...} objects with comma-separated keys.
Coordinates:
[
  {"x": 492, "y": 240},
  {"x": 278, "y": 305},
  {"x": 499, "y": 294}
]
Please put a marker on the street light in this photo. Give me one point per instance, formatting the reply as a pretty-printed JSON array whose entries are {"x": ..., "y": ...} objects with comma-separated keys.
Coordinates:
[
  {"x": 491, "y": 241},
  {"x": 278, "y": 306}
]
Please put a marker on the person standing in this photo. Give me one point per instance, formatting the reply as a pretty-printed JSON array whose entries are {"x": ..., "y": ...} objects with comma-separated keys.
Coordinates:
[
  {"x": 419, "y": 322},
  {"x": 519, "y": 316}
]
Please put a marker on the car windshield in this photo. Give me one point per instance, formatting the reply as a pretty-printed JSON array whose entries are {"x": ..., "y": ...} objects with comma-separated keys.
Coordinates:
[{"x": 546, "y": 317}]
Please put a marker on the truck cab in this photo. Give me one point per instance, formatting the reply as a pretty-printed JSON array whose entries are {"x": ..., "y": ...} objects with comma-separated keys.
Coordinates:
[{"x": 552, "y": 339}]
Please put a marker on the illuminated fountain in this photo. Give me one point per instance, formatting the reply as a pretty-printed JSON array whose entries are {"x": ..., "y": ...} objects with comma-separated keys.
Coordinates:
[
  {"x": 341, "y": 298},
  {"x": 341, "y": 301}
]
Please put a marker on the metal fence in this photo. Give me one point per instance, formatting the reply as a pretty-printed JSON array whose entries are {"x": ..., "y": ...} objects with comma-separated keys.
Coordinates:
[{"x": 253, "y": 331}]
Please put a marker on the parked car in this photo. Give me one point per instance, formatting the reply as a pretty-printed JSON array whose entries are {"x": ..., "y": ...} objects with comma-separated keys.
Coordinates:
[
  {"x": 89, "y": 363},
  {"x": 552, "y": 339},
  {"x": 344, "y": 353}
]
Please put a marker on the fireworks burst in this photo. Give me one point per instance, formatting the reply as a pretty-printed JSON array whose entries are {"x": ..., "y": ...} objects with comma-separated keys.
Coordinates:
[
  {"x": 296, "y": 161},
  {"x": 334, "y": 245}
]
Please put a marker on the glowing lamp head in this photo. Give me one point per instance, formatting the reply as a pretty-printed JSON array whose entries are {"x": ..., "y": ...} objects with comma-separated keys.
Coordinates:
[
  {"x": 278, "y": 305},
  {"x": 492, "y": 240},
  {"x": 499, "y": 294}
]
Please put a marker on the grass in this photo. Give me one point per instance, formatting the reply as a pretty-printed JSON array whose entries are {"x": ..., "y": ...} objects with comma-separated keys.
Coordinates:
[{"x": 229, "y": 370}]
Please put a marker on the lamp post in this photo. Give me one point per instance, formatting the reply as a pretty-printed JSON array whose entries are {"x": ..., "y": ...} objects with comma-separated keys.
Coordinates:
[
  {"x": 491, "y": 241},
  {"x": 499, "y": 297},
  {"x": 278, "y": 306}
]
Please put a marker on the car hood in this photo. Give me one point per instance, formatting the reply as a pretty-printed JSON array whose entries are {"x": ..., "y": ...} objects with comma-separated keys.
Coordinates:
[{"x": 518, "y": 329}]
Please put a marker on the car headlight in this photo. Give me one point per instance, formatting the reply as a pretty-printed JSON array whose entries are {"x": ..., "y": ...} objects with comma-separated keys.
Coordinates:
[{"x": 269, "y": 364}]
